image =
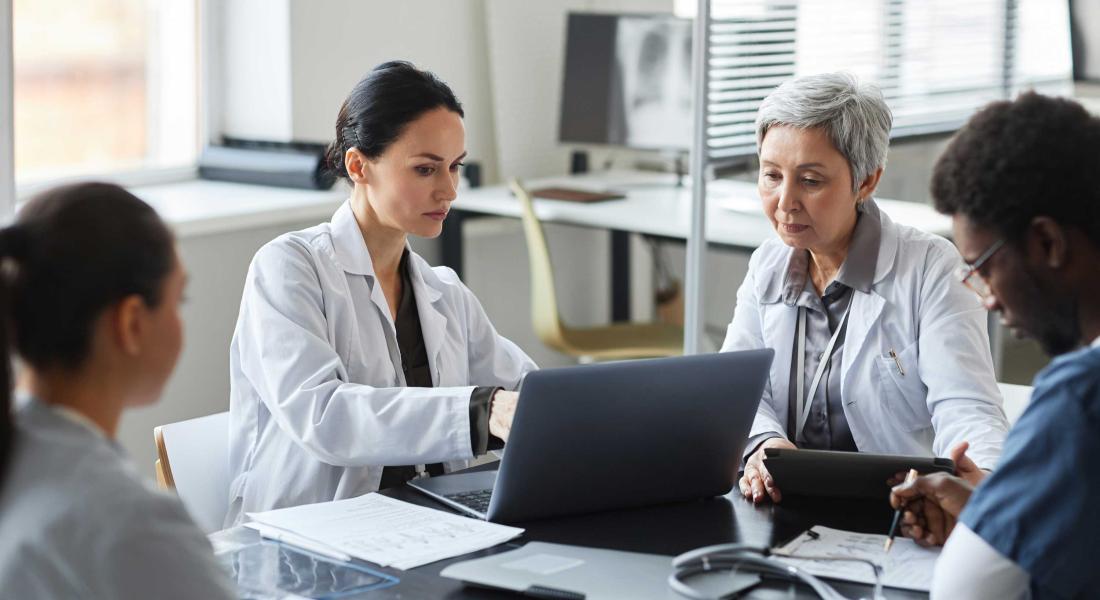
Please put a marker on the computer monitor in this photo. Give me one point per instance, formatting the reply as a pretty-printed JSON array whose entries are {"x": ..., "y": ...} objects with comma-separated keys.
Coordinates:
[{"x": 627, "y": 81}]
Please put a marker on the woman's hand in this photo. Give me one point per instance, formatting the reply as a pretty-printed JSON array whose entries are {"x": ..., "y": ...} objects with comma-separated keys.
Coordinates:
[
  {"x": 757, "y": 482},
  {"x": 932, "y": 505},
  {"x": 502, "y": 409}
]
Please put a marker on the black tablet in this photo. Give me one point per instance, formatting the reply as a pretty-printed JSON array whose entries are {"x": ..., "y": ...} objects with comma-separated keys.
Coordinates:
[{"x": 843, "y": 474}]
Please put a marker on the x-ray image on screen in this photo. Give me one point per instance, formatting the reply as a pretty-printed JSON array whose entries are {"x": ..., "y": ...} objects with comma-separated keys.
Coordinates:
[
  {"x": 654, "y": 61},
  {"x": 627, "y": 81}
]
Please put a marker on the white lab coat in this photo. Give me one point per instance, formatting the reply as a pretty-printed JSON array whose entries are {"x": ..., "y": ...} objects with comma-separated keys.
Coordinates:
[
  {"x": 318, "y": 402},
  {"x": 916, "y": 308}
]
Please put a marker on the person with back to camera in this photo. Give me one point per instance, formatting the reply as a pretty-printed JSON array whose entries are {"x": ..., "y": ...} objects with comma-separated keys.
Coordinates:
[
  {"x": 877, "y": 348},
  {"x": 354, "y": 363},
  {"x": 90, "y": 289}
]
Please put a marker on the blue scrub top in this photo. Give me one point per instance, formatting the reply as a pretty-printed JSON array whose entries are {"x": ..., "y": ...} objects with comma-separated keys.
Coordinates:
[{"x": 1041, "y": 507}]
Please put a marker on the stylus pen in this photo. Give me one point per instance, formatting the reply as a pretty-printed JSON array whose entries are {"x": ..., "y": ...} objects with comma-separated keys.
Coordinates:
[{"x": 909, "y": 478}]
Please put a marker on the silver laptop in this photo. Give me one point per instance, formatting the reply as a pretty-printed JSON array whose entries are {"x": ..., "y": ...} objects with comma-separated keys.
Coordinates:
[{"x": 617, "y": 435}]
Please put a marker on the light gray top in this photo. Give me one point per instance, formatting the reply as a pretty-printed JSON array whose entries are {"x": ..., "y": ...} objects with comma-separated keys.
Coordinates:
[
  {"x": 77, "y": 521},
  {"x": 827, "y": 427}
]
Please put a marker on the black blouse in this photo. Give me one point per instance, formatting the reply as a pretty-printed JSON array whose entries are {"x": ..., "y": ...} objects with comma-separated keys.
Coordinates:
[{"x": 417, "y": 370}]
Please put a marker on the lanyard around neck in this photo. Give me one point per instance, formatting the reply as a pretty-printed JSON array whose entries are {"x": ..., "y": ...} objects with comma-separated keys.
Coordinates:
[{"x": 804, "y": 401}]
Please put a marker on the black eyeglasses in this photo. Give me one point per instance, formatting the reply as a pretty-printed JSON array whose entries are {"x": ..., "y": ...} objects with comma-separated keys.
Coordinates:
[{"x": 971, "y": 278}]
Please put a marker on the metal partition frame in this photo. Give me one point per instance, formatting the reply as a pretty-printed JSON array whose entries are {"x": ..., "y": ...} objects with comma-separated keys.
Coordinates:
[
  {"x": 697, "y": 241},
  {"x": 7, "y": 116}
]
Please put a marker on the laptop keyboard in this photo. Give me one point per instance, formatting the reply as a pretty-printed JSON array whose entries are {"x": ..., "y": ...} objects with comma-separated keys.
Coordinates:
[{"x": 477, "y": 500}]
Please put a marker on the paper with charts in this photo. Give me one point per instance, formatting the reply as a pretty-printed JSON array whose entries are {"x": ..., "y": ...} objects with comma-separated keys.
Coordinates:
[
  {"x": 906, "y": 566},
  {"x": 387, "y": 532}
]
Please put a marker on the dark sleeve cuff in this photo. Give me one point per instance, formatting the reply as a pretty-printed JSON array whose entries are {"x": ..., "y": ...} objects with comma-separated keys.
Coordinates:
[{"x": 480, "y": 403}]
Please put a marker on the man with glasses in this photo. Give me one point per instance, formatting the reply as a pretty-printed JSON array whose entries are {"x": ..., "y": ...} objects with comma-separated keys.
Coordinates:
[
  {"x": 971, "y": 273},
  {"x": 1020, "y": 182}
]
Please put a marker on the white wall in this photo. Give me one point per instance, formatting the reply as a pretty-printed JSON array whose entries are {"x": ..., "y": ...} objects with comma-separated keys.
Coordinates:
[
  {"x": 288, "y": 64},
  {"x": 527, "y": 53},
  {"x": 334, "y": 43},
  {"x": 254, "y": 76}
]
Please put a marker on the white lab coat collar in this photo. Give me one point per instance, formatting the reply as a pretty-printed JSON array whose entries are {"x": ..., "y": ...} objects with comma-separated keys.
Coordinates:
[
  {"x": 1095, "y": 343},
  {"x": 887, "y": 247},
  {"x": 352, "y": 255},
  {"x": 348, "y": 244},
  {"x": 769, "y": 287},
  {"x": 426, "y": 283}
]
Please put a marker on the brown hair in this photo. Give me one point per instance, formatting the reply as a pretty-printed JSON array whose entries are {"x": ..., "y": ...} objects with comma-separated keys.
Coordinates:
[{"x": 72, "y": 252}]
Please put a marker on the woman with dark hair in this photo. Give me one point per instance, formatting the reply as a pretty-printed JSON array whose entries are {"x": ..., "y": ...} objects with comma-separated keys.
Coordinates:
[
  {"x": 90, "y": 287},
  {"x": 355, "y": 364}
]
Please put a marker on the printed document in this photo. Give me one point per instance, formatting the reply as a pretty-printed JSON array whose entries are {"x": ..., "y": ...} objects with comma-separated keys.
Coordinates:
[
  {"x": 385, "y": 531},
  {"x": 907, "y": 565}
]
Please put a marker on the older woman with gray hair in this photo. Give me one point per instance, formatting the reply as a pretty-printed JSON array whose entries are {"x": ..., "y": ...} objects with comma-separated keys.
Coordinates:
[{"x": 879, "y": 348}]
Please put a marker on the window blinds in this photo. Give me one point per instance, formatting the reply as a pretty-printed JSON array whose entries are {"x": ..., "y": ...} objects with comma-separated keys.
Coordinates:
[{"x": 937, "y": 61}]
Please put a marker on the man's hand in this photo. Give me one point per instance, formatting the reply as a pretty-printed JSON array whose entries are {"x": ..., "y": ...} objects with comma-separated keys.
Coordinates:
[
  {"x": 964, "y": 467},
  {"x": 932, "y": 505}
]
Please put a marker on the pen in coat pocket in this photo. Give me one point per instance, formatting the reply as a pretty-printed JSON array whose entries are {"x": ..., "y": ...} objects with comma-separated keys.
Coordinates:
[{"x": 894, "y": 355}]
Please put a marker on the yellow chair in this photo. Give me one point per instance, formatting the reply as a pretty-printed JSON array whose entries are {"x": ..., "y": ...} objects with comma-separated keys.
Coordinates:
[{"x": 611, "y": 342}]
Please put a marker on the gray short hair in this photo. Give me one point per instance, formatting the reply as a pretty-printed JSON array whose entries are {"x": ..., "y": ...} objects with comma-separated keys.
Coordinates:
[{"x": 854, "y": 115}]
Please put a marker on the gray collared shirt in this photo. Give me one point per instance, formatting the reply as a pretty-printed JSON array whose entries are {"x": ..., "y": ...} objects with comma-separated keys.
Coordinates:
[
  {"x": 826, "y": 427},
  {"x": 76, "y": 521}
]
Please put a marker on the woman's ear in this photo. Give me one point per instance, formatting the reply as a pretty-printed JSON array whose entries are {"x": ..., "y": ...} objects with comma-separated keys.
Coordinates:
[
  {"x": 127, "y": 324},
  {"x": 868, "y": 186},
  {"x": 355, "y": 163}
]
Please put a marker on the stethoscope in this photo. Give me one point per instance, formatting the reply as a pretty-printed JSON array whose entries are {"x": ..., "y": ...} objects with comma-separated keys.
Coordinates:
[{"x": 757, "y": 560}]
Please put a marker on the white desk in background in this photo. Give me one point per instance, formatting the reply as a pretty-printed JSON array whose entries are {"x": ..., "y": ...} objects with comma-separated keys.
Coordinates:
[
  {"x": 197, "y": 207},
  {"x": 654, "y": 206}
]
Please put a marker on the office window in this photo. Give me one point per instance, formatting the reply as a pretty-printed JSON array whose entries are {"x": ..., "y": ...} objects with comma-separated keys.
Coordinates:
[
  {"x": 103, "y": 86},
  {"x": 936, "y": 61}
]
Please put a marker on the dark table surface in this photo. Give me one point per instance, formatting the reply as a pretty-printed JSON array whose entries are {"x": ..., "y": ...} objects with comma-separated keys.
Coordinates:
[{"x": 667, "y": 529}]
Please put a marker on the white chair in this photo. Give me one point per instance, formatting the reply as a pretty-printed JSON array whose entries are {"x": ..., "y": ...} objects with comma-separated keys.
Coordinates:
[
  {"x": 199, "y": 466},
  {"x": 1016, "y": 398}
]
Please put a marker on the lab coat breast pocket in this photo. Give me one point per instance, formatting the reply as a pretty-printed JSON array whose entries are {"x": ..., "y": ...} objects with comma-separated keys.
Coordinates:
[
  {"x": 452, "y": 365},
  {"x": 904, "y": 395}
]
